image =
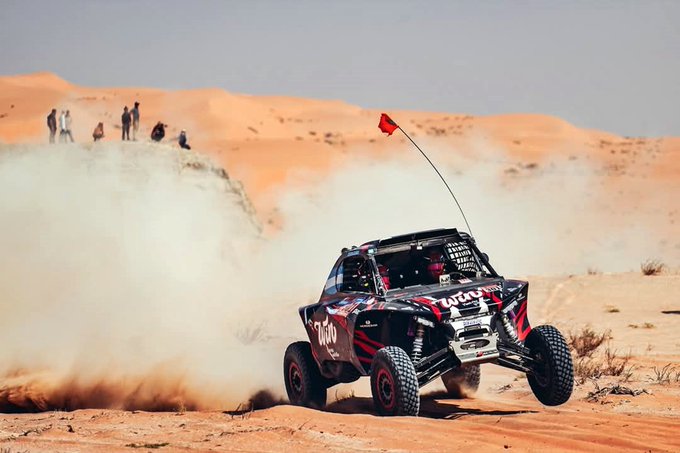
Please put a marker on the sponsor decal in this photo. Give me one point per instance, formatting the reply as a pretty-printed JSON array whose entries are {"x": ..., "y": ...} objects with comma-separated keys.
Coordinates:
[
  {"x": 472, "y": 322},
  {"x": 367, "y": 324},
  {"x": 445, "y": 279},
  {"x": 491, "y": 288},
  {"x": 345, "y": 301},
  {"x": 510, "y": 307},
  {"x": 460, "y": 298},
  {"x": 476, "y": 354},
  {"x": 464, "y": 280},
  {"x": 343, "y": 308},
  {"x": 424, "y": 322},
  {"x": 327, "y": 332}
]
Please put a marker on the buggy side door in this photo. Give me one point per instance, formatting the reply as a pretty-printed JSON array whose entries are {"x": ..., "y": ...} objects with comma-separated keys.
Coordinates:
[{"x": 332, "y": 323}]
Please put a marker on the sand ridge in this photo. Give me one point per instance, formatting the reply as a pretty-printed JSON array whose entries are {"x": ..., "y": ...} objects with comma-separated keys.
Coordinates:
[{"x": 261, "y": 138}]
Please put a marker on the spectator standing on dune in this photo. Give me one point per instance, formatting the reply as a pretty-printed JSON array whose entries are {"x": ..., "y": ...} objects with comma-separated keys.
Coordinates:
[
  {"x": 182, "y": 139},
  {"x": 62, "y": 127},
  {"x": 158, "y": 132},
  {"x": 125, "y": 120},
  {"x": 67, "y": 123},
  {"x": 98, "y": 133},
  {"x": 135, "y": 120},
  {"x": 52, "y": 124}
]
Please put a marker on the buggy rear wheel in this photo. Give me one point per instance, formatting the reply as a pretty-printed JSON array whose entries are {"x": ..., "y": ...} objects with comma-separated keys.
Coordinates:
[
  {"x": 462, "y": 381},
  {"x": 552, "y": 375},
  {"x": 394, "y": 383},
  {"x": 304, "y": 384}
]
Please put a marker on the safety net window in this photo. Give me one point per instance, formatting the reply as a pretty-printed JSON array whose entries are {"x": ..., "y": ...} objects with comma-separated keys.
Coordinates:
[{"x": 463, "y": 256}]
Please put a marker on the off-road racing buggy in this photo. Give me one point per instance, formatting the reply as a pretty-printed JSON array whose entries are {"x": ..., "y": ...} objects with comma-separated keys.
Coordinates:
[{"x": 409, "y": 309}]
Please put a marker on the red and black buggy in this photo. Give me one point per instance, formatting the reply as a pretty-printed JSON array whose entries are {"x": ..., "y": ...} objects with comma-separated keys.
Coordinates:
[{"x": 409, "y": 309}]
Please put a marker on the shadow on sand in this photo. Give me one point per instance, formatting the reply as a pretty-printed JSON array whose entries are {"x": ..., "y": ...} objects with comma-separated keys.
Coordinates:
[
  {"x": 435, "y": 405},
  {"x": 430, "y": 407}
]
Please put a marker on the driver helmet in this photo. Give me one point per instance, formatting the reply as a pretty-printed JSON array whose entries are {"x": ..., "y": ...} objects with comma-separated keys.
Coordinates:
[
  {"x": 435, "y": 266},
  {"x": 384, "y": 275}
]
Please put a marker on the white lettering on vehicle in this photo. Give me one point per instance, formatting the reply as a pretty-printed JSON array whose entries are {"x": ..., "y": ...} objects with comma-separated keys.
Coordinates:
[
  {"x": 367, "y": 324},
  {"x": 460, "y": 298},
  {"x": 491, "y": 288},
  {"x": 510, "y": 307},
  {"x": 328, "y": 334}
]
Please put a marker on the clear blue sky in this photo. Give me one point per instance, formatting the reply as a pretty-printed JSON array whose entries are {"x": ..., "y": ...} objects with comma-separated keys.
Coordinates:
[{"x": 598, "y": 64}]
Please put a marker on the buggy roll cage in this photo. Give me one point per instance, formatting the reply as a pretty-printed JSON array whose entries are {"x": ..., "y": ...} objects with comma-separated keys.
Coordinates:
[{"x": 419, "y": 240}]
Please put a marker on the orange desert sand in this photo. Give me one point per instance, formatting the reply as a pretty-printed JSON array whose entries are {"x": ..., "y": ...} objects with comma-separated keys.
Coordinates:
[{"x": 276, "y": 145}]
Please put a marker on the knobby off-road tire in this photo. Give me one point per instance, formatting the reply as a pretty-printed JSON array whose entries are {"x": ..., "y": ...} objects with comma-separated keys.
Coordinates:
[
  {"x": 462, "y": 381},
  {"x": 394, "y": 383},
  {"x": 552, "y": 377},
  {"x": 304, "y": 384}
]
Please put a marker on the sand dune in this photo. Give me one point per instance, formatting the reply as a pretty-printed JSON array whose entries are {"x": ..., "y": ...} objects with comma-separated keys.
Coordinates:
[{"x": 260, "y": 139}]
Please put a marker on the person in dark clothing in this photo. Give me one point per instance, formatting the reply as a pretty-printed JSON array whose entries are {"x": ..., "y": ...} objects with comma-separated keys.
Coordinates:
[
  {"x": 125, "y": 120},
  {"x": 98, "y": 133},
  {"x": 135, "y": 120},
  {"x": 158, "y": 132},
  {"x": 183, "y": 140},
  {"x": 52, "y": 124}
]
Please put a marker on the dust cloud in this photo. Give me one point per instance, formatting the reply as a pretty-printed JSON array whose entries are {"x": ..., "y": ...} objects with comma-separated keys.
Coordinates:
[
  {"x": 552, "y": 218},
  {"x": 128, "y": 280}
]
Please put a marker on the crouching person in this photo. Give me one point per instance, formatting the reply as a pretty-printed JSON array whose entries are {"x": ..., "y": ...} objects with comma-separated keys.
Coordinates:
[
  {"x": 98, "y": 133},
  {"x": 182, "y": 139},
  {"x": 158, "y": 132}
]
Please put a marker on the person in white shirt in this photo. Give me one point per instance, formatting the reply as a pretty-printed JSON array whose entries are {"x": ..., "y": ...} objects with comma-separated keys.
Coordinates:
[
  {"x": 62, "y": 127},
  {"x": 67, "y": 123}
]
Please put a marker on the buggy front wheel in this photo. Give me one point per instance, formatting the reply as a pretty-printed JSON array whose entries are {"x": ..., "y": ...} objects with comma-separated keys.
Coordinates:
[
  {"x": 394, "y": 383},
  {"x": 552, "y": 372}
]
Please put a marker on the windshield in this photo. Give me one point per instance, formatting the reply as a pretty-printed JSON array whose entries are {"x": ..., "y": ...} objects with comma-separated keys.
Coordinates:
[{"x": 423, "y": 265}]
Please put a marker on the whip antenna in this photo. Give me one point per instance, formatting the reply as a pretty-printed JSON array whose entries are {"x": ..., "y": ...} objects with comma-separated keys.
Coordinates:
[{"x": 388, "y": 126}]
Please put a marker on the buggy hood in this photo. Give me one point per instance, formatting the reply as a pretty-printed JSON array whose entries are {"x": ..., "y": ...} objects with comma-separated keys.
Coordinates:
[{"x": 461, "y": 299}]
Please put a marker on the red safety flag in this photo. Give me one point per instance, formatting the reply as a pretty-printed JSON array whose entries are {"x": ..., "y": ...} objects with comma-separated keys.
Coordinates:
[{"x": 387, "y": 125}]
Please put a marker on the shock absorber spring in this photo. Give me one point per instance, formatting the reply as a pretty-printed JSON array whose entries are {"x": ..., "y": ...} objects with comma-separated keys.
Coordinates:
[
  {"x": 509, "y": 329},
  {"x": 418, "y": 343}
]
